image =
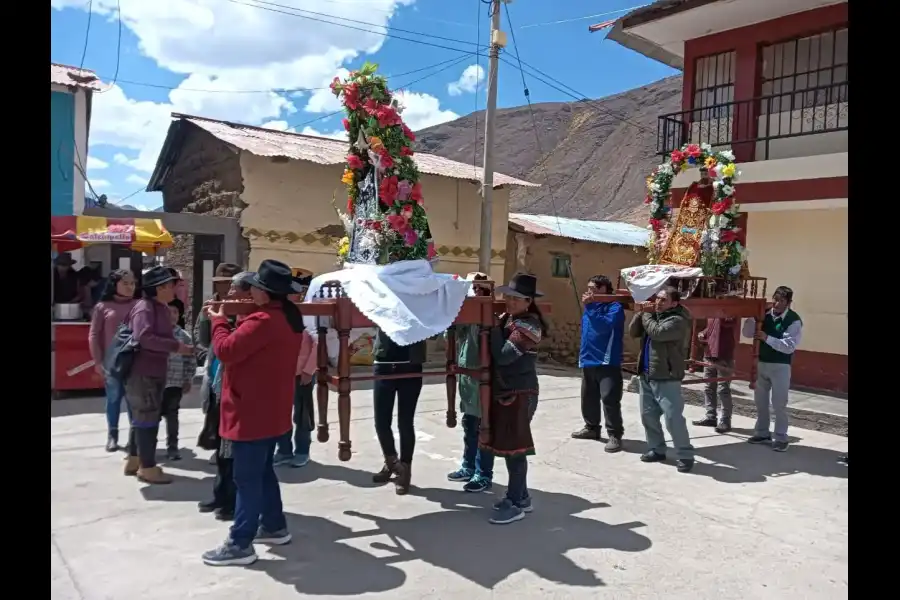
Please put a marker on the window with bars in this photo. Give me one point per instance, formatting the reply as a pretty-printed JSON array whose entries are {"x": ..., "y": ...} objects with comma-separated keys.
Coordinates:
[
  {"x": 713, "y": 86},
  {"x": 559, "y": 265},
  {"x": 807, "y": 72}
]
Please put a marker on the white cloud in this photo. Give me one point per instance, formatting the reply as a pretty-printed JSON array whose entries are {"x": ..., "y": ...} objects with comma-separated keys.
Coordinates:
[
  {"x": 277, "y": 125},
  {"x": 99, "y": 183},
  {"x": 467, "y": 82},
  {"x": 95, "y": 164},
  {"x": 136, "y": 179},
  {"x": 221, "y": 47},
  {"x": 338, "y": 134},
  {"x": 423, "y": 110}
]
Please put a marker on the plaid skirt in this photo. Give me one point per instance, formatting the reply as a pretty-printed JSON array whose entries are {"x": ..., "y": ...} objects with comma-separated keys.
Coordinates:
[{"x": 510, "y": 424}]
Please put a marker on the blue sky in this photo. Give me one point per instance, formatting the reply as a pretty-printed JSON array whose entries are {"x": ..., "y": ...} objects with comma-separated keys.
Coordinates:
[{"x": 219, "y": 58}]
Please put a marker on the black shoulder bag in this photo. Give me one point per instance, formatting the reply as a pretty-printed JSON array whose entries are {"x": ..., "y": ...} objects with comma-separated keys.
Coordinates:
[{"x": 121, "y": 351}]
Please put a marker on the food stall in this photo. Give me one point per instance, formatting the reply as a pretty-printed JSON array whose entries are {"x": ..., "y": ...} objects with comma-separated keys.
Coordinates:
[{"x": 70, "y": 357}]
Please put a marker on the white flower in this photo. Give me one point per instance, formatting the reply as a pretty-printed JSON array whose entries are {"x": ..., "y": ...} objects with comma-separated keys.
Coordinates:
[
  {"x": 735, "y": 269},
  {"x": 714, "y": 222},
  {"x": 728, "y": 154},
  {"x": 655, "y": 188},
  {"x": 716, "y": 184},
  {"x": 706, "y": 147},
  {"x": 654, "y": 206},
  {"x": 665, "y": 169},
  {"x": 727, "y": 190}
]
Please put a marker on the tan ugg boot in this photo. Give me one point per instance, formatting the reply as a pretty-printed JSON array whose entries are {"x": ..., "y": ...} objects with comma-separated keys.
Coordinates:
[
  {"x": 387, "y": 472},
  {"x": 153, "y": 475},
  {"x": 404, "y": 476},
  {"x": 132, "y": 464}
]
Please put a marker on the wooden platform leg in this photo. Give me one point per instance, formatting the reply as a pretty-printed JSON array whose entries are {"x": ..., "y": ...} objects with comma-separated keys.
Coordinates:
[
  {"x": 754, "y": 356},
  {"x": 451, "y": 377},
  {"x": 484, "y": 384},
  {"x": 344, "y": 394},
  {"x": 692, "y": 357},
  {"x": 322, "y": 387}
]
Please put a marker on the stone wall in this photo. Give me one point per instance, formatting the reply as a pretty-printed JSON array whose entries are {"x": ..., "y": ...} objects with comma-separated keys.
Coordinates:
[{"x": 206, "y": 179}]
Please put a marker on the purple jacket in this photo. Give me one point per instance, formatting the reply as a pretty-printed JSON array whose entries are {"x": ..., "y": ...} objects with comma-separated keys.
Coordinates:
[{"x": 149, "y": 321}]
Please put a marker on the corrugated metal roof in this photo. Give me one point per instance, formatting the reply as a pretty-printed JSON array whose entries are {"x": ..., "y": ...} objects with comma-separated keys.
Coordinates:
[
  {"x": 604, "y": 232},
  {"x": 327, "y": 151},
  {"x": 74, "y": 77}
]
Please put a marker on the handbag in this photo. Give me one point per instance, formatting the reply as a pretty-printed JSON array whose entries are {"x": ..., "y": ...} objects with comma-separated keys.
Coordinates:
[{"x": 121, "y": 351}]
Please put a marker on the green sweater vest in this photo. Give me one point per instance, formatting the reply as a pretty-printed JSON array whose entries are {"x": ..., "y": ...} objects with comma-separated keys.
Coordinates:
[{"x": 776, "y": 328}]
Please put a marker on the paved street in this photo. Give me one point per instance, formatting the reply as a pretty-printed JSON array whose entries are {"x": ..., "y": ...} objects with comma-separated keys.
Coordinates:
[{"x": 748, "y": 523}]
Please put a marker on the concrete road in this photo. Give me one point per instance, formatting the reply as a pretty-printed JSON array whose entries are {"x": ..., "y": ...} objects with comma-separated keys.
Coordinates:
[{"x": 748, "y": 523}]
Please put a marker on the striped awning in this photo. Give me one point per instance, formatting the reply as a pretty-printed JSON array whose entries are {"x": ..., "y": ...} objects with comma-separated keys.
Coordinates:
[{"x": 143, "y": 235}]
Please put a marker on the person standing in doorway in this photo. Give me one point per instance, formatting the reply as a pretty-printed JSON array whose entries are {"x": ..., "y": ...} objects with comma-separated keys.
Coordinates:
[
  {"x": 600, "y": 359},
  {"x": 719, "y": 340},
  {"x": 664, "y": 338},
  {"x": 393, "y": 359},
  {"x": 115, "y": 303},
  {"x": 781, "y": 332},
  {"x": 259, "y": 359}
]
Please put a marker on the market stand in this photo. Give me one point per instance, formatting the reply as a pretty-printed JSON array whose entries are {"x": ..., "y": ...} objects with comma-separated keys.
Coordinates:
[{"x": 71, "y": 365}]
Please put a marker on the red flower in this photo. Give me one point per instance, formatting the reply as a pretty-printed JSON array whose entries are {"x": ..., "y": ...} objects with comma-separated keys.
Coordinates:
[
  {"x": 387, "y": 191},
  {"x": 432, "y": 253},
  {"x": 677, "y": 157},
  {"x": 371, "y": 106},
  {"x": 416, "y": 194},
  {"x": 354, "y": 162},
  {"x": 728, "y": 235},
  {"x": 387, "y": 116},
  {"x": 351, "y": 96},
  {"x": 405, "y": 151},
  {"x": 386, "y": 161},
  {"x": 408, "y": 132},
  {"x": 657, "y": 224},
  {"x": 719, "y": 207},
  {"x": 398, "y": 223},
  {"x": 349, "y": 205},
  {"x": 336, "y": 82},
  {"x": 346, "y": 124},
  {"x": 693, "y": 150},
  {"x": 648, "y": 199}
]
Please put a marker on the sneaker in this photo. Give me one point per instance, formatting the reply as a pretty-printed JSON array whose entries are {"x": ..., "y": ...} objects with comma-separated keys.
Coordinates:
[
  {"x": 224, "y": 515},
  {"x": 780, "y": 446},
  {"x": 705, "y": 422},
  {"x": 207, "y": 506},
  {"x": 507, "y": 512},
  {"x": 652, "y": 456},
  {"x": 587, "y": 433},
  {"x": 613, "y": 444},
  {"x": 111, "y": 444},
  {"x": 300, "y": 460},
  {"x": 282, "y": 459},
  {"x": 173, "y": 454},
  {"x": 524, "y": 504},
  {"x": 460, "y": 475},
  {"x": 843, "y": 459},
  {"x": 273, "y": 538},
  {"x": 684, "y": 465},
  {"x": 478, "y": 485},
  {"x": 760, "y": 439},
  {"x": 229, "y": 555},
  {"x": 724, "y": 426}
]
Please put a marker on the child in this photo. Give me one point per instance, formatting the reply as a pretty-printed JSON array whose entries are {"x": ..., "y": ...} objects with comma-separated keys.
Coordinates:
[
  {"x": 179, "y": 376},
  {"x": 477, "y": 469}
]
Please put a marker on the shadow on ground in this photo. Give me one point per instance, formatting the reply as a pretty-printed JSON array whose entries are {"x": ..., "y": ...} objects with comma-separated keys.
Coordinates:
[
  {"x": 94, "y": 403},
  {"x": 331, "y": 559}
]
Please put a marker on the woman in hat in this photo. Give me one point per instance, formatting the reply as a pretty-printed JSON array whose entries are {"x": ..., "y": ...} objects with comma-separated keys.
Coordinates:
[
  {"x": 152, "y": 330},
  {"x": 506, "y": 429},
  {"x": 259, "y": 358}
]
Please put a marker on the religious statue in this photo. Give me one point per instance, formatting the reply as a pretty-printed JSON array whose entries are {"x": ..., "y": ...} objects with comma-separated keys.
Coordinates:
[{"x": 683, "y": 245}]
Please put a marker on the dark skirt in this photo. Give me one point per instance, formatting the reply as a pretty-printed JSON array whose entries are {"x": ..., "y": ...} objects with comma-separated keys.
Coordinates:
[
  {"x": 209, "y": 435},
  {"x": 510, "y": 424}
]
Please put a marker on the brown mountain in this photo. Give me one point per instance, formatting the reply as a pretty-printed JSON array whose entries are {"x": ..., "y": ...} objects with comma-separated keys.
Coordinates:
[{"x": 596, "y": 156}]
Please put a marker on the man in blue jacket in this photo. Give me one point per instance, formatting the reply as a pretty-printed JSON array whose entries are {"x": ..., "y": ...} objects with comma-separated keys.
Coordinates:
[{"x": 602, "y": 334}]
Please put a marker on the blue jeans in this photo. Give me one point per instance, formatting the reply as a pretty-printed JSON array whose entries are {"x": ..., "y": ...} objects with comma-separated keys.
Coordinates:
[
  {"x": 258, "y": 493},
  {"x": 115, "y": 393},
  {"x": 302, "y": 435},
  {"x": 478, "y": 461}
]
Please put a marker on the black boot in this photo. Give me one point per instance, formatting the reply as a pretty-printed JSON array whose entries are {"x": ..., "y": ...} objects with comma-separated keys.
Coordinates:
[
  {"x": 112, "y": 440},
  {"x": 172, "y": 452}
]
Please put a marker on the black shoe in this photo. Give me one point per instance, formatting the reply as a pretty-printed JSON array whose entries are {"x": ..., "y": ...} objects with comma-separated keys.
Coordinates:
[
  {"x": 208, "y": 506},
  {"x": 684, "y": 465},
  {"x": 705, "y": 422},
  {"x": 723, "y": 426},
  {"x": 173, "y": 454},
  {"x": 587, "y": 433},
  {"x": 652, "y": 456},
  {"x": 112, "y": 444},
  {"x": 224, "y": 515},
  {"x": 780, "y": 446},
  {"x": 760, "y": 439}
]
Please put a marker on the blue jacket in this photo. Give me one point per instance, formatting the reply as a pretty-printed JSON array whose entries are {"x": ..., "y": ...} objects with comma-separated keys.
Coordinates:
[{"x": 602, "y": 334}]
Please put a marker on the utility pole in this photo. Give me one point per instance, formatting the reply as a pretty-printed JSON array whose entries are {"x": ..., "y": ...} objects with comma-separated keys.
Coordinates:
[{"x": 498, "y": 40}]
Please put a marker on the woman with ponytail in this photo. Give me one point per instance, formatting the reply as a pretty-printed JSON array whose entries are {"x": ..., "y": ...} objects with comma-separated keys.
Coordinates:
[{"x": 259, "y": 361}]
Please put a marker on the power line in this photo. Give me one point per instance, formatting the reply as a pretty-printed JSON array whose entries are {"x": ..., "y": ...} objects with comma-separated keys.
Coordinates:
[
  {"x": 87, "y": 34},
  {"x": 118, "y": 48},
  {"x": 572, "y": 20}
]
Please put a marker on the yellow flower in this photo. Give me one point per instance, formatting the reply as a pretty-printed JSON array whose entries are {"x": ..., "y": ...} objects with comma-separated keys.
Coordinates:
[
  {"x": 344, "y": 246},
  {"x": 728, "y": 170},
  {"x": 684, "y": 166},
  {"x": 710, "y": 162},
  {"x": 348, "y": 177},
  {"x": 376, "y": 144}
]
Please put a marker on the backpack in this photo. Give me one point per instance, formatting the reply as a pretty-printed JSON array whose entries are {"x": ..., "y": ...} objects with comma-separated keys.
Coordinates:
[{"x": 121, "y": 351}]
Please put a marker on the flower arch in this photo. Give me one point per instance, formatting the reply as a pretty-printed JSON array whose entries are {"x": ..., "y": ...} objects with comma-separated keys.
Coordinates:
[{"x": 721, "y": 252}]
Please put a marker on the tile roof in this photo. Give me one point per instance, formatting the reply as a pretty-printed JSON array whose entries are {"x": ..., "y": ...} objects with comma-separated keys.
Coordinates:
[
  {"x": 328, "y": 151},
  {"x": 74, "y": 77},
  {"x": 604, "y": 232}
]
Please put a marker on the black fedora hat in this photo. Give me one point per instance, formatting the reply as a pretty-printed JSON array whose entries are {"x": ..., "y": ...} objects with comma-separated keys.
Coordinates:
[
  {"x": 522, "y": 285},
  {"x": 274, "y": 277},
  {"x": 157, "y": 276}
]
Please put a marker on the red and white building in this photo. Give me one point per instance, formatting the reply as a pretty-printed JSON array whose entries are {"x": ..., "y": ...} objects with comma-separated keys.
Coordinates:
[{"x": 768, "y": 79}]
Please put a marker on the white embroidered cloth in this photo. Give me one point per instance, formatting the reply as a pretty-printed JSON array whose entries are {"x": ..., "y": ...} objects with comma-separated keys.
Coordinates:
[
  {"x": 646, "y": 280},
  {"x": 406, "y": 299}
]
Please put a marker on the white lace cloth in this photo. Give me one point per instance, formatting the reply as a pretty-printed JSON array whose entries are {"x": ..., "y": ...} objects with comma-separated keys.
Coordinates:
[
  {"x": 646, "y": 280},
  {"x": 406, "y": 299}
]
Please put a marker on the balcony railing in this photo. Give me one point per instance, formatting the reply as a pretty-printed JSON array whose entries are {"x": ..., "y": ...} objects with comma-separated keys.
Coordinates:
[{"x": 767, "y": 127}]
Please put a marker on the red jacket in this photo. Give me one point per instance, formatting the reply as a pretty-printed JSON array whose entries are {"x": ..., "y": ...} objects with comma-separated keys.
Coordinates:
[{"x": 260, "y": 361}]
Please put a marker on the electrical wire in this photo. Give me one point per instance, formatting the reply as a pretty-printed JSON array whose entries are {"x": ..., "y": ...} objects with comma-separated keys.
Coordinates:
[
  {"x": 87, "y": 33},
  {"x": 115, "y": 76},
  {"x": 572, "y": 20}
]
